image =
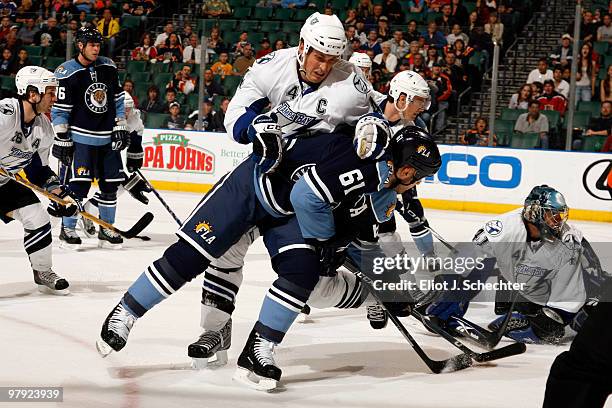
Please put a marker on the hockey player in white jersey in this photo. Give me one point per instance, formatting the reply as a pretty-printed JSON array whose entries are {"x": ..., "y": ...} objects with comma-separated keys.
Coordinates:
[
  {"x": 363, "y": 61},
  {"x": 535, "y": 247},
  {"x": 26, "y": 137}
]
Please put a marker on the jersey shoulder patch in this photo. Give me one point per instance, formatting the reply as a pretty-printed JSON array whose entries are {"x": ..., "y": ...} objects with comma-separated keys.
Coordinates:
[
  {"x": 67, "y": 69},
  {"x": 494, "y": 228},
  {"x": 105, "y": 61},
  {"x": 6, "y": 108},
  {"x": 266, "y": 58}
]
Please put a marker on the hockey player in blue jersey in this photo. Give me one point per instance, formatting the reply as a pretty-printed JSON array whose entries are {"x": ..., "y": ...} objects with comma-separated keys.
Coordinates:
[{"x": 89, "y": 122}]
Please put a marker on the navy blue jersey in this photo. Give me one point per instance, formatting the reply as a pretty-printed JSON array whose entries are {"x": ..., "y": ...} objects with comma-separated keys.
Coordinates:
[{"x": 89, "y": 100}]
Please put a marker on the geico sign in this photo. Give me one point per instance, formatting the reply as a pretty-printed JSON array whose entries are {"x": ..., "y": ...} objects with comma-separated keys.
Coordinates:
[{"x": 473, "y": 171}]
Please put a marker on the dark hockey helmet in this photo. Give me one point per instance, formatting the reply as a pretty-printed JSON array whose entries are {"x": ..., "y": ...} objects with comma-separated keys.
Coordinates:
[
  {"x": 546, "y": 208},
  {"x": 89, "y": 34},
  {"x": 412, "y": 146}
]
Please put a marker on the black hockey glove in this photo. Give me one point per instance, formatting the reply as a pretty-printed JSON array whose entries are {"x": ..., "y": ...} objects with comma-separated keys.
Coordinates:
[
  {"x": 134, "y": 156},
  {"x": 137, "y": 187},
  {"x": 267, "y": 138},
  {"x": 120, "y": 137},
  {"x": 63, "y": 148},
  {"x": 331, "y": 253},
  {"x": 57, "y": 210}
]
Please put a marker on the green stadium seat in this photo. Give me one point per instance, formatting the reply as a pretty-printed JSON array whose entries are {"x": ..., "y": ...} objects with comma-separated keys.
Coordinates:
[
  {"x": 35, "y": 59},
  {"x": 140, "y": 77},
  {"x": 33, "y": 50},
  {"x": 162, "y": 79},
  {"x": 601, "y": 47},
  {"x": 250, "y": 3},
  {"x": 231, "y": 84},
  {"x": 192, "y": 101},
  {"x": 250, "y": 26},
  {"x": 283, "y": 14},
  {"x": 432, "y": 17},
  {"x": 226, "y": 25},
  {"x": 137, "y": 66},
  {"x": 158, "y": 68},
  {"x": 554, "y": 118},
  {"x": 293, "y": 39},
  {"x": 607, "y": 63},
  {"x": 242, "y": 12},
  {"x": 8, "y": 83},
  {"x": 302, "y": 14},
  {"x": 262, "y": 13},
  {"x": 418, "y": 17},
  {"x": 122, "y": 76},
  {"x": 231, "y": 38},
  {"x": 291, "y": 27},
  {"x": 235, "y": 3},
  {"x": 581, "y": 120},
  {"x": 270, "y": 27},
  {"x": 503, "y": 131},
  {"x": 470, "y": 6},
  {"x": 593, "y": 107},
  {"x": 340, "y": 4},
  {"x": 155, "y": 120},
  {"x": 53, "y": 62},
  {"x": 477, "y": 59},
  {"x": 131, "y": 22},
  {"x": 255, "y": 38},
  {"x": 512, "y": 114},
  {"x": 525, "y": 140},
  {"x": 593, "y": 143}
]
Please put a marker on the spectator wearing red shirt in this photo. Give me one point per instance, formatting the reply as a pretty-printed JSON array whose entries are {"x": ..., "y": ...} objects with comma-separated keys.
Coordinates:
[
  {"x": 551, "y": 99},
  {"x": 445, "y": 90},
  {"x": 265, "y": 48}
]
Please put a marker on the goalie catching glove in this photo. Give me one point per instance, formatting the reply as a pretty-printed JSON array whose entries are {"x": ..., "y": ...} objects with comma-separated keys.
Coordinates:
[{"x": 267, "y": 138}]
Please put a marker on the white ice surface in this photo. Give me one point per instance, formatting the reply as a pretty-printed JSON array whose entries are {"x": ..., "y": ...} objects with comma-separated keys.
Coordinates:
[{"x": 336, "y": 361}]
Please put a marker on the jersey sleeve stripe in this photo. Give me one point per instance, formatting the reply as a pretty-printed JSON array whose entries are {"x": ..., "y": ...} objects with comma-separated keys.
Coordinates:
[{"x": 320, "y": 185}]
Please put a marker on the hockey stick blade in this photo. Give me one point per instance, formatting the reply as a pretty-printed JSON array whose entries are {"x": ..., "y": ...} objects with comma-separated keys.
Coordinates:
[
  {"x": 506, "y": 351},
  {"x": 140, "y": 225},
  {"x": 477, "y": 334}
]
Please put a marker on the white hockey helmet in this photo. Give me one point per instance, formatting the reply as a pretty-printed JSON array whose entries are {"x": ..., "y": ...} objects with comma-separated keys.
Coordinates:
[
  {"x": 323, "y": 33},
  {"x": 361, "y": 59},
  {"x": 38, "y": 77},
  {"x": 128, "y": 101},
  {"x": 410, "y": 83}
]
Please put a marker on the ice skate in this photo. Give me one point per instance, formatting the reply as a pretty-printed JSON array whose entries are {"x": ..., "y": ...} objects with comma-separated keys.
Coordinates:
[
  {"x": 256, "y": 366},
  {"x": 69, "y": 239},
  {"x": 377, "y": 316},
  {"x": 109, "y": 239},
  {"x": 49, "y": 282},
  {"x": 210, "y": 350},
  {"x": 89, "y": 228},
  {"x": 115, "y": 330}
]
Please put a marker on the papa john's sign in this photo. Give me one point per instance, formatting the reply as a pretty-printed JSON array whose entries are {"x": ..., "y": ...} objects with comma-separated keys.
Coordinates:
[{"x": 189, "y": 160}]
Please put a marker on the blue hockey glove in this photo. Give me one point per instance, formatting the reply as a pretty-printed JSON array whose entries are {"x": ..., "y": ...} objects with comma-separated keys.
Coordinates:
[
  {"x": 442, "y": 311},
  {"x": 63, "y": 148},
  {"x": 267, "y": 138},
  {"x": 120, "y": 137},
  {"x": 372, "y": 135}
]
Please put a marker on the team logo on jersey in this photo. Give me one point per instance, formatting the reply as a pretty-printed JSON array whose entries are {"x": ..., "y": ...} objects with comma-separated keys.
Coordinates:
[
  {"x": 300, "y": 171},
  {"x": 360, "y": 84},
  {"x": 494, "y": 227},
  {"x": 266, "y": 58},
  {"x": 423, "y": 151},
  {"x": 82, "y": 171},
  {"x": 389, "y": 210},
  {"x": 295, "y": 117},
  {"x": 7, "y": 109},
  {"x": 204, "y": 230},
  {"x": 96, "y": 97}
]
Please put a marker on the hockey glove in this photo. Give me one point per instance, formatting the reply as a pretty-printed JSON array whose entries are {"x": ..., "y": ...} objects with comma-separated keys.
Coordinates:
[
  {"x": 442, "y": 311},
  {"x": 120, "y": 137},
  {"x": 57, "y": 210},
  {"x": 134, "y": 155},
  {"x": 137, "y": 187},
  {"x": 63, "y": 148},
  {"x": 372, "y": 136},
  {"x": 267, "y": 138},
  {"x": 331, "y": 253}
]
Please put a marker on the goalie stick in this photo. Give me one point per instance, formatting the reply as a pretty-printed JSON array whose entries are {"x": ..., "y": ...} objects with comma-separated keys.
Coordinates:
[{"x": 136, "y": 229}]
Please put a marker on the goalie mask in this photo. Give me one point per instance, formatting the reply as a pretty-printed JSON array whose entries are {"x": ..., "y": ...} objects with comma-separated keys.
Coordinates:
[{"x": 545, "y": 208}]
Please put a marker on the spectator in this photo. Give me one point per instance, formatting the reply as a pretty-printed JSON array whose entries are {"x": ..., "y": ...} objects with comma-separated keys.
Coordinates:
[
  {"x": 219, "y": 116},
  {"x": 223, "y": 66},
  {"x": 293, "y": 3},
  {"x": 386, "y": 59},
  {"x": 521, "y": 99},
  {"x": 184, "y": 81},
  {"x": 28, "y": 31},
  {"x": 434, "y": 6},
  {"x": 171, "y": 51},
  {"x": 365, "y": 9},
  {"x": 433, "y": 37},
  {"x": 265, "y": 48},
  {"x": 21, "y": 61},
  {"x": 152, "y": 104},
  {"x": 601, "y": 126},
  {"x": 244, "y": 62},
  {"x": 211, "y": 86},
  {"x": 414, "y": 50},
  {"x": 215, "y": 42},
  {"x": 563, "y": 55},
  {"x": 455, "y": 72},
  {"x": 279, "y": 45},
  {"x": 432, "y": 57},
  {"x": 445, "y": 89},
  {"x": 58, "y": 47},
  {"x": 372, "y": 21},
  {"x": 605, "y": 86},
  {"x": 83, "y": 20},
  {"x": 5, "y": 27},
  {"x": 46, "y": 10},
  {"x": 242, "y": 41},
  {"x": 495, "y": 28},
  {"x": 481, "y": 40},
  {"x": 128, "y": 87},
  {"x": 216, "y": 8},
  {"x": 455, "y": 35},
  {"x": 66, "y": 11},
  {"x": 604, "y": 33},
  {"x": 175, "y": 121},
  {"x": 399, "y": 46},
  {"x": 84, "y": 5},
  {"x": 552, "y": 100},
  {"x": 413, "y": 33},
  {"x": 360, "y": 31},
  {"x": 561, "y": 85},
  {"x": 73, "y": 26},
  {"x": 146, "y": 51},
  {"x": 207, "y": 117},
  {"x": 537, "y": 88},
  {"x": 460, "y": 51},
  {"x": 8, "y": 8},
  {"x": 533, "y": 122},
  {"x": 372, "y": 43},
  {"x": 383, "y": 29},
  {"x": 459, "y": 12},
  {"x": 170, "y": 98},
  {"x": 162, "y": 38},
  {"x": 473, "y": 21},
  {"x": 541, "y": 73},
  {"x": 6, "y": 62},
  {"x": 478, "y": 135},
  {"x": 109, "y": 28},
  {"x": 393, "y": 10},
  {"x": 446, "y": 21},
  {"x": 192, "y": 52},
  {"x": 51, "y": 28},
  {"x": 586, "y": 74},
  {"x": 12, "y": 42},
  {"x": 109, "y": 5},
  {"x": 351, "y": 18},
  {"x": 416, "y": 6},
  {"x": 588, "y": 28}
]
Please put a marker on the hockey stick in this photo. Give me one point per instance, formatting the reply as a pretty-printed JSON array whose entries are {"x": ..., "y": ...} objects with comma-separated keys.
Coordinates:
[
  {"x": 140, "y": 225},
  {"x": 441, "y": 239},
  {"x": 159, "y": 197},
  {"x": 456, "y": 363}
]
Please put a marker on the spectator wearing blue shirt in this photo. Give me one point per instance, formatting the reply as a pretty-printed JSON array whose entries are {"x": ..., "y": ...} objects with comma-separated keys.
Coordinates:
[
  {"x": 8, "y": 8},
  {"x": 433, "y": 37},
  {"x": 372, "y": 43},
  {"x": 293, "y": 3}
]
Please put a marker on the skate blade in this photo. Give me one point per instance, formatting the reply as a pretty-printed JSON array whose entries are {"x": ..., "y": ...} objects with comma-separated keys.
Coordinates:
[
  {"x": 219, "y": 359},
  {"x": 57, "y": 292},
  {"x": 108, "y": 245},
  {"x": 254, "y": 381},
  {"x": 103, "y": 349},
  {"x": 70, "y": 247}
]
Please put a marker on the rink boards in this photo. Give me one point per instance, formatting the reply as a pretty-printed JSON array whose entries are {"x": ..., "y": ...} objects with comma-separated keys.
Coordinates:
[{"x": 476, "y": 179}]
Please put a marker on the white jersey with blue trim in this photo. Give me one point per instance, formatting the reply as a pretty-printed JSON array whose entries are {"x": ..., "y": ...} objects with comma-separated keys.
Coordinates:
[
  {"x": 551, "y": 271},
  {"x": 134, "y": 122},
  {"x": 19, "y": 143},
  {"x": 274, "y": 80}
]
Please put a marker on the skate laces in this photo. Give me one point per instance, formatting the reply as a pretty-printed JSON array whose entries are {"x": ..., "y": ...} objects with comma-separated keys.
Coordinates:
[
  {"x": 70, "y": 232},
  {"x": 48, "y": 276},
  {"x": 121, "y": 321},
  {"x": 110, "y": 233},
  {"x": 264, "y": 351},
  {"x": 375, "y": 312},
  {"x": 210, "y": 339}
]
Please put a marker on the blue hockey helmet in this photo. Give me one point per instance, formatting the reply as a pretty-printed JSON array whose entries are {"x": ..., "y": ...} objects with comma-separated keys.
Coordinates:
[
  {"x": 413, "y": 146},
  {"x": 546, "y": 208}
]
